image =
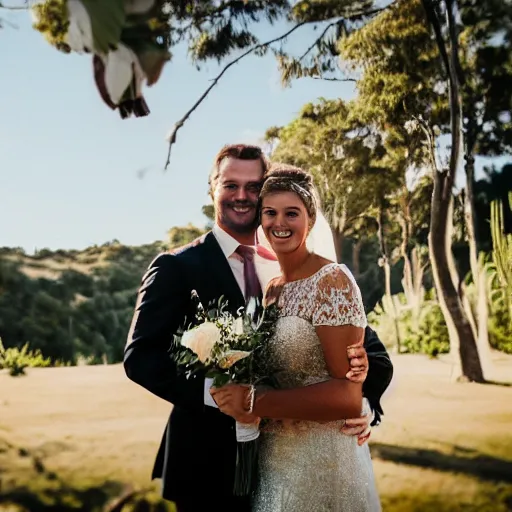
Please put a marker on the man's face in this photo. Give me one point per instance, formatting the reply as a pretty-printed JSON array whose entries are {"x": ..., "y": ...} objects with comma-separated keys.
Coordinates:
[{"x": 236, "y": 195}]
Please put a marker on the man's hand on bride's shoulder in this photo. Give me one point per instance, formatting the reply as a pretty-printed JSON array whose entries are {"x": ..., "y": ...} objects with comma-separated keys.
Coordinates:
[
  {"x": 234, "y": 400},
  {"x": 358, "y": 361}
]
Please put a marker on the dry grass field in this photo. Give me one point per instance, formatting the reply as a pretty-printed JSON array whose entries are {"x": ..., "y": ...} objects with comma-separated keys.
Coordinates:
[{"x": 72, "y": 438}]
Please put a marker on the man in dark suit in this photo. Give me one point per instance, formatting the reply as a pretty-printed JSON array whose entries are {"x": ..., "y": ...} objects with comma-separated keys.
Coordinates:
[{"x": 197, "y": 455}]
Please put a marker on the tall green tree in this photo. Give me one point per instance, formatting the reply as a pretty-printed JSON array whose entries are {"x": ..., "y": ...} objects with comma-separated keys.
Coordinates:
[
  {"x": 360, "y": 181},
  {"x": 345, "y": 158},
  {"x": 208, "y": 211},
  {"x": 179, "y": 236},
  {"x": 477, "y": 122},
  {"x": 399, "y": 87}
]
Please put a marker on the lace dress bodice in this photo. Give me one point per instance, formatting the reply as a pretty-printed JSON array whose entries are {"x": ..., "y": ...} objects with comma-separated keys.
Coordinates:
[{"x": 328, "y": 297}]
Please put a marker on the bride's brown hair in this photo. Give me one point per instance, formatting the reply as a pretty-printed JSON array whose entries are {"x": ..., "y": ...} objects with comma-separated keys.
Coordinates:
[{"x": 287, "y": 178}]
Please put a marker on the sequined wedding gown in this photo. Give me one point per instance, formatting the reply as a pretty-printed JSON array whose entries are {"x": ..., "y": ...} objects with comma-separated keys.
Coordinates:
[{"x": 307, "y": 466}]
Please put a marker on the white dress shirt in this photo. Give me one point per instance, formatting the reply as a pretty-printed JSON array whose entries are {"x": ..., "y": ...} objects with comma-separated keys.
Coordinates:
[{"x": 265, "y": 269}]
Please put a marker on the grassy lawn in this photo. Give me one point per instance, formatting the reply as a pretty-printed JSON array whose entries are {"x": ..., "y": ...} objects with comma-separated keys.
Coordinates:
[{"x": 75, "y": 438}]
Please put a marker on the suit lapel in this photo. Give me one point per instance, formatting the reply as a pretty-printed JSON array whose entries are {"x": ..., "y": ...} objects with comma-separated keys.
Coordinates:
[{"x": 219, "y": 272}]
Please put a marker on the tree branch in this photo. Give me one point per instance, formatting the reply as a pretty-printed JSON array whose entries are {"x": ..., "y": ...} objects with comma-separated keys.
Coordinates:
[
  {"x": 172, "y": 136},
  {"x": 436, "y": 26},
  {"x": 427, "y": 130},
  {"x": 454, "y": 40},
  {"x": 333, "y": 79},
  {"x": 15, "y": 7},
  {"x": 343, "y": 19},
  {"x": 455, "y": 101},
  {"x": 455, "y": 107},
  {"x": 320, "y": 37}
]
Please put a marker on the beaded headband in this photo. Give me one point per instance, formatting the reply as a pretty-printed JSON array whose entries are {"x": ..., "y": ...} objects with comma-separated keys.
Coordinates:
[{"x": 288, "y": 183}]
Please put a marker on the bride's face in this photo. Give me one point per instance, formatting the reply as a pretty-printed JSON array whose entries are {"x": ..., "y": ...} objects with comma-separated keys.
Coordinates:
[{"x": 285, "y": 221}]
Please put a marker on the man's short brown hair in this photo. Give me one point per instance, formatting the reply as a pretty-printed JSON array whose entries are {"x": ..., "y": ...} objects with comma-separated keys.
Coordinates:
[{"x": 241, "y": 152}]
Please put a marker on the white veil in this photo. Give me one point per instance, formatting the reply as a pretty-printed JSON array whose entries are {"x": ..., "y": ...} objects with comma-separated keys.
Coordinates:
[{"x": 320, "y": 239}]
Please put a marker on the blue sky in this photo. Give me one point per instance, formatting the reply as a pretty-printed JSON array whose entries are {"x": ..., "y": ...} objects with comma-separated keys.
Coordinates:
[{"x": 69, "y": 165}]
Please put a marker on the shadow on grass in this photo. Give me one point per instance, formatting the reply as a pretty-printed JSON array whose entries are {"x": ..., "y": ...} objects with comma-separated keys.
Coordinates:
[
  {"x": 108, "y": 497},
  {"x": 499, "y": 383},
  {"x": 49, "y": 492},
  {"x": 62, "y": 499},
  {"x": 482, "y": 466}
]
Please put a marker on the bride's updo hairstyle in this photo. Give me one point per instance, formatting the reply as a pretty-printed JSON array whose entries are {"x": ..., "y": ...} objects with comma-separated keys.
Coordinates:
[{"x": 287, "y": 178}]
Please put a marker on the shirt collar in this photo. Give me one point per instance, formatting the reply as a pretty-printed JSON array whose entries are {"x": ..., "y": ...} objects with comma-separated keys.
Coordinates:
[{"x": 227, "y": 243}]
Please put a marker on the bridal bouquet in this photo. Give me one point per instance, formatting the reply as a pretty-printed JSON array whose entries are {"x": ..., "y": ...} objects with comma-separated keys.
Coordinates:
[{"x": 230, "y": 348}]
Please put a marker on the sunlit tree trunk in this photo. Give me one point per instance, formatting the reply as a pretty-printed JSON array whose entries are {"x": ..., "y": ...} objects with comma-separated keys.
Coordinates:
[
  {"x": 405, "y": 226},
  {"x": 462, "y": 337},
  {"x": 338, "y": 238},
  {"x": 356, "y": 257},
  {"x": 386, "y": 265}
]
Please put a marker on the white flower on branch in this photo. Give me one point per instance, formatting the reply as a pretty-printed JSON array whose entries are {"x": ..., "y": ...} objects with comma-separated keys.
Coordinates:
[
  {"x": 79, "y": 36},
  {"x": 121, "y": 35}
]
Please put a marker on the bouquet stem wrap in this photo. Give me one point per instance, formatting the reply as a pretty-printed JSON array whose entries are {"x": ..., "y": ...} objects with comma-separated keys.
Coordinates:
[
  {"x": 247, "y": 450},
  {"x": 247, "y": 439}
]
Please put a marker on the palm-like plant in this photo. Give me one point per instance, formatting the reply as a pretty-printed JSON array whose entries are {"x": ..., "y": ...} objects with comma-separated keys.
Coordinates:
[{"x": 502, "y": 253}]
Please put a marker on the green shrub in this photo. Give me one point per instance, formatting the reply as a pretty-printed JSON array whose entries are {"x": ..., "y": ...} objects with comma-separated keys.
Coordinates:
[
  {"x": 500, "y": 332},
  {"x": 499, "y": 322},
  {"x": 83, "y": 360},
  {"x": 500, "y": 314},
  {"x": 382, "y": 318},
  {"x": 16, "y": 360},
  {"x": 41, "y": 254},
  {"x": 430, "y": 335},
  {"x": 421, "y": 332}
]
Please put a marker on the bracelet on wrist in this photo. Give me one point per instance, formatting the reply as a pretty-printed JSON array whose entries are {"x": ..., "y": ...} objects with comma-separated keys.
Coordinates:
[
  {"x": 252, "y": 394},
  {"x": 249, "y": 399}
]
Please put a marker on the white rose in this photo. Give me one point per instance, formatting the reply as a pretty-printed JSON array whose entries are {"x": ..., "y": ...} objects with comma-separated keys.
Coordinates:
[{"x": 201, "y": 340}]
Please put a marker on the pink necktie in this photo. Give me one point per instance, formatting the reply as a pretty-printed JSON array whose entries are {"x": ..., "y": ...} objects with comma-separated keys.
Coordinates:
[
  {"x": 252, "y": 283},
  {"x": 265, "y": 253}
]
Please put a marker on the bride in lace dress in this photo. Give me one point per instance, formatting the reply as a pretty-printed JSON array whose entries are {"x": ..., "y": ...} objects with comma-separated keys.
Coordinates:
[{"x": 306, "y": 464}]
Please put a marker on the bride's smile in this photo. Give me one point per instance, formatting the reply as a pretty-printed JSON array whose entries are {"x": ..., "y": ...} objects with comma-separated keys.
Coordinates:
[{"x": 284, "y": 220}]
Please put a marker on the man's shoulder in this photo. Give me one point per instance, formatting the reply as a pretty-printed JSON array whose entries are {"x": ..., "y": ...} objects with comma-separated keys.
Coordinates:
[
  {"x": 184, "y": 256},
  {"x": 191, "y": 248},
  {"x": 184, "y": 252}
]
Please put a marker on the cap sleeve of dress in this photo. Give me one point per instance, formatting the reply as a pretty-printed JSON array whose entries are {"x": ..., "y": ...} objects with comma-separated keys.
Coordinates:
[{"x": 338, "y": 300}]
